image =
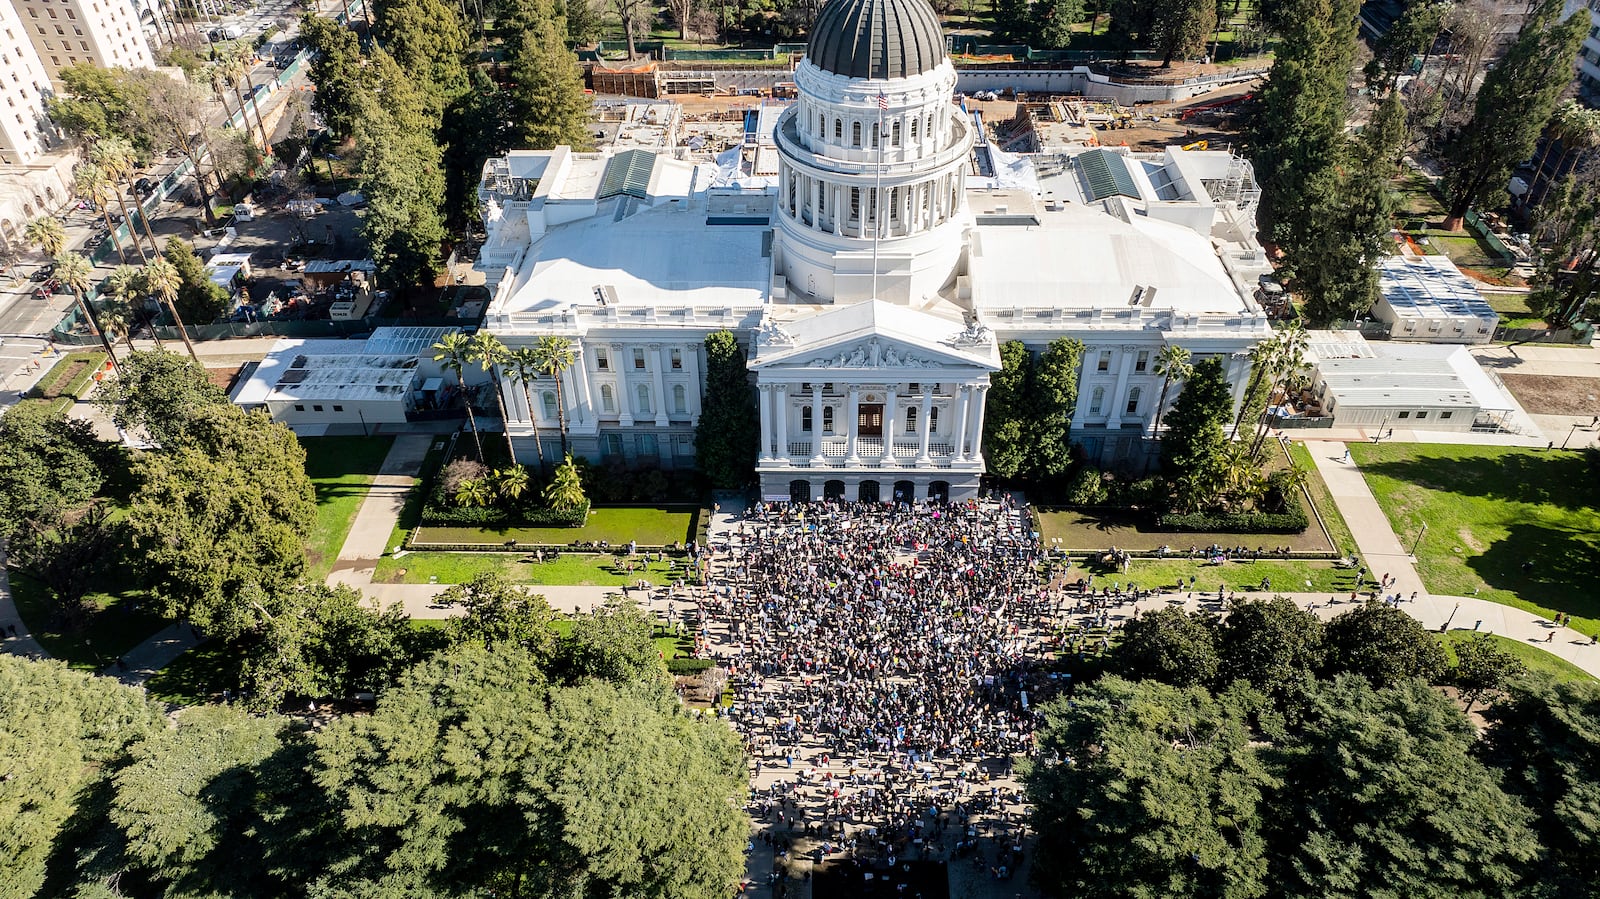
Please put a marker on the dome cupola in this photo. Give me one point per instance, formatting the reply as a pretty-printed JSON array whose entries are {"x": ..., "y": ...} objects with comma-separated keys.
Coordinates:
[{"x": 876, "y": 39}]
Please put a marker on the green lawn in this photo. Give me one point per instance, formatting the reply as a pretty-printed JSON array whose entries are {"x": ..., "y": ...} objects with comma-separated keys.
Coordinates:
[
  {"x": 70, "y": 375},
  {"x": 340, "y": 468},
  {"x": 1537, "y": 660},
  {"x": 650, "y": 525},
  {"x": 569, "y": 569},
  {"x": 1080, "y": 530},
  {"x": 1490, "y": 510},
  {"x": 113, "y": 628},
  {"x": 1286, "y": 576},
  {"x": 199, "y": 675}
]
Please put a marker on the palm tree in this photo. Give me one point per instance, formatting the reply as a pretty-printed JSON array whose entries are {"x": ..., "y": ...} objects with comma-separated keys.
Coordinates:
[
  {"x": 554, "y": 355},
  {"x": 453, "y": 349},
  {"x": 565, "y": 491},
  {"x": 47, "y": 233},
  {"x": 1581, "y": 134},
  {"x": 522, "y": 366},
  {"x": 116, "y": 316},
  {"x": 1291, "y": 355},
  {"x": 1261, "y": 359},
  {"x": 119, "y": 160},
  {"x": 162, "y": 280},
  {"x": 511, "y": 482},
  {"x": 236, "y": 68},
  {"x": 125, "y": 283},
  {"x": 1172, "y": 363},
  {"x": 77, "y": 275},
  {"x": 1555, "y": 130},
  {"x": 89, "y": 181},
  {"x": 486, "y": 350},
  {"x": 474, "y": 492}
]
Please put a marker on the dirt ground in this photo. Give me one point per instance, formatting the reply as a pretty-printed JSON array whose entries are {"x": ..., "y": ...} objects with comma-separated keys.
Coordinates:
[{"x": 1554, "y": 395}]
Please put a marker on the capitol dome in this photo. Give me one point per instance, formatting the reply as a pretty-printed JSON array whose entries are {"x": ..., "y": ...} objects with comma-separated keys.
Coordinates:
[{"x": 876, "y": 39}]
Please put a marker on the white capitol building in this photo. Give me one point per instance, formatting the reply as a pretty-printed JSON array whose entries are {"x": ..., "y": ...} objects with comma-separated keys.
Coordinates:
[{"x": 871, "y": 269}]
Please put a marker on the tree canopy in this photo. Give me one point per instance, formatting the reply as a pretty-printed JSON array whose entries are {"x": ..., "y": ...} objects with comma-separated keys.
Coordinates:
[{"x": 727, "y": 437}]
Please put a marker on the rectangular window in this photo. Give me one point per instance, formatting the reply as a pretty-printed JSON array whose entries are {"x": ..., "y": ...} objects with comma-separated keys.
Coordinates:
[
  {"x": 614, "y": 445},
  {"x": 1406, "y": 414},
  {"x": 677, "y": 360},
  {"x": 827, "y": 419},
  {"x": 602, "y": 360},
  {"x": 638, "y": 358},
  {"x": 1104, "y": 364},
  {"x": 299, "y": 408},
  {"x": 1422, "y": 414},
  {"x": 685, "y": 445},
  {"x": 316, "y": 408},
  {"x": 805, "y": 419},
  {"x": 338, "y": 408},
  {"x": 647, "y": 445},
  {"x": 1143, "y": 361}
]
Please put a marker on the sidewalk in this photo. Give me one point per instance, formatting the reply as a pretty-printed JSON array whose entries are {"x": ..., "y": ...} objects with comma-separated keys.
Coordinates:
[
  {"x": 140, "y": 663},
  {"x": 1381, "y": 550},
  {"x": 369, "y": 534},
  {"x": 22, "y": 644}
]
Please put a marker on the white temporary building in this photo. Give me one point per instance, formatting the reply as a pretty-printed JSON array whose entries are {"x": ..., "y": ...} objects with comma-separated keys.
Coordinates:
[
  {"x": 1427, "y": 298},
  {"x": 1415, "y": 386}
]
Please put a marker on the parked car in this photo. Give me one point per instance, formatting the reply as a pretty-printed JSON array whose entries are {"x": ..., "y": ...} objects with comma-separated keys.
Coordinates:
[
  {"x": 144, "y": 187},
  {"x": 43, "y": 273}
]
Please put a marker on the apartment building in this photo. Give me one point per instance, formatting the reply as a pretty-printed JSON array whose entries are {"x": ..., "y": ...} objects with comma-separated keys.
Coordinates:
[
  {"x": 104, "y": 33},
  {"x": 24, "y": 133}
]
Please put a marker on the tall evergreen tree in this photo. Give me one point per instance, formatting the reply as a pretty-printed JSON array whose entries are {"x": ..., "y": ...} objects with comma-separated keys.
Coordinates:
[
  {"x": 1194, "y": 450},
  {"x": 430, "y": 44},
  {"x": 399, "y": 167},
  {"x": 548, "y": 105},
  {"x": 729, "y": 433},
  {"x": 1005, "y": 417},
  {"x": 335, "y": 70},
  {"x": 1181, "y": 27},
  {"x": 1516, "y": 98},
  {"x": 1054, "y": 398}
]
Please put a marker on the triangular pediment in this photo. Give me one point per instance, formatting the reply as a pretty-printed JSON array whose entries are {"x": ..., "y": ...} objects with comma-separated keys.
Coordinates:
[{"x": 873, "y": 335}]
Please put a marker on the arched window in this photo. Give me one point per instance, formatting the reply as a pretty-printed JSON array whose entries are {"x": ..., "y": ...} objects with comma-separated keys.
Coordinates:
[
  {"x": 827, "y": 419},
  {"x": 911, "y": 420},
  {"x": 680, "y": 399},
  {"x": 1097, "y": 401},
  {"x": 822, "y": 125},
  {"x": 933, "y": 419},
  {"x": 548, "y": 399},
  {"x": 608, "y": 399},
  {"x": 855, "y": 134},
  {"x": 1133, "y": 401},
  {"x": 642, "y": 392}
]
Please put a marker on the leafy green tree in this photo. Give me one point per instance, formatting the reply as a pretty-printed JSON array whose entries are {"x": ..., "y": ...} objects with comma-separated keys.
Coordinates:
[
  {"x": 157, "y": 392},
  {"x": 400, "y": 170},
  {"x": 480, "y": 127},
  {"x": 1052, "y": 22},
  {"x": 1132, "y": 25},
  {"x": 221, "y": 516},
  {"x": 1172, "y": 364},
  {"x": 1382, "y": 797},
  {"x": 1545, "y": 739},
  {"x": 1014, "y": 20},
  {"x": 1411, "y": 34},
  {"x": 430, "y": 43},
  {"x": 1567, "y": 242},
  {"x": 497, "y": 612},
  {"x": 548, "y": 105},
  {"x": 1181, "y": 27},
  {"x": 1382, "y": 644},
  {"x": 52, "y": 466},
  {"x": 1482, "y": 668},
  {"x": 1274, "y": 646},
  {"x": 726, "y": 438},
  {"x": 94, "y": 104},
  {"x": 324, "y": 641},
  {"x": 1054, "y": 400},
  {"x": 62, "y": 734},
  {"x": 67, "y": 557},
  {"x": 336, "y": 65},
  {"x": 1149, "y": 790},
  {"x": 1193, "y": 452},
  {"x": 612, "y": 643},
  {"x": 473, "y": 777},
  {"x": 1005, "y": 422},
  {"x": 1170, "y": 645},
  {"x": 199, "y": 299},
  {"x": 564, "y": 493},
  {"x": 1517, "y": 97}
]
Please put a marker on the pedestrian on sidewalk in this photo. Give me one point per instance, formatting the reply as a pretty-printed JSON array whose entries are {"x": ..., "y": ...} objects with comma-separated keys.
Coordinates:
[{"x": 1346, "y": 455}]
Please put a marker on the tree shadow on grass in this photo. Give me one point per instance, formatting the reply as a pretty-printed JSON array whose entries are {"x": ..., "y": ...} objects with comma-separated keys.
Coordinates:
[
  {"x": 1563, "y": 479},
  {"x": 1563, "y": 561}
]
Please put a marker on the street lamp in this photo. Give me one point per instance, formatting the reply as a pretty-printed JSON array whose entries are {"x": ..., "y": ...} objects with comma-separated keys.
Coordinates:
[
  {"x": 1569, "y": 435},
  {"x": 1379, "y": 436},
  {"x": 1418, "y": 542}
]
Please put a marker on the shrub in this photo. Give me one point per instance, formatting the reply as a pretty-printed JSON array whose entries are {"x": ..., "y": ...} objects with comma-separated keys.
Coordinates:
[
  {"x": 1088, "y": 488},
  {"x": 441, "y": 510},
  {"x": 461, "y": 470},
  {"x": 689, "y": 666},
  {"x": 1291, "y": 521}
]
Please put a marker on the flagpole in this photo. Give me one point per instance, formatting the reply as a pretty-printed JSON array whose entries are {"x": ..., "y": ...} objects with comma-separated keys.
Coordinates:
[{"x": 877, "y": 197}]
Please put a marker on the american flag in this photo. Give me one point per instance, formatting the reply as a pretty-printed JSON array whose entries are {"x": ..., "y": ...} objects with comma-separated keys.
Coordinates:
[{"x": 883, "y": 103}]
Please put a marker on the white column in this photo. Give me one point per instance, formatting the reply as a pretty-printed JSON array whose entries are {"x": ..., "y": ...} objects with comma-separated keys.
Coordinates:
[
  {"x": 580, "y": 364},
  {"x": 780, "y": 401},
  {"x": 1085, "y": 368},
  {"x": 922, "y": 423},
  {"x": 816, "y": 421},
  {"x": 658, "y": 355},
  {"x": 853, "y": 418},
  {"x": 889, "y": 412},
  {"x": 959, "y": 425},
  {"x": 1120, "y": 394},
  {"x": 764, "y": 415},
  {"x": 691, "y": 366},
  {"x": 1238, "y": 377},
  {"x": 624, "y": 402},
  {"x": 982, "y": 394}
]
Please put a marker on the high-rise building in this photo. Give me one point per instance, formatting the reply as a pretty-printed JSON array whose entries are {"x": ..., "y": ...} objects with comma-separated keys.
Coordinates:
[
  {"x": 103, "y": 33},
  {"x": 23, "y": 87}
]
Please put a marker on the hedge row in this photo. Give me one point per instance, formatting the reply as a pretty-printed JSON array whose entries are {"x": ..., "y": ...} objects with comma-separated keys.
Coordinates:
[
  {"x": 1291, "y": 521},
  {"x": 689, "y": 666}
]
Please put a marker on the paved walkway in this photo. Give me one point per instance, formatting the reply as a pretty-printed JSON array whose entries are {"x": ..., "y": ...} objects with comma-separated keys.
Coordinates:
[
  {"x": 140, "y": 663},
  {"x": 22, "y": 642},
  {"x": 368, "y": 540}
]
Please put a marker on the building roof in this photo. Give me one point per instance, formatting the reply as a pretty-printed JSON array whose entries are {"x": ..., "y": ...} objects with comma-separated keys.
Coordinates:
[
  {"x": 877, "y": 39},
  {"x": 1430, "y": 287},
  {"x": 830, "y": 338},
  {"x": 1104, "y": 174},
  {"x": 1417, "y": 375},
  {"x": 335, "y": 371}
]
